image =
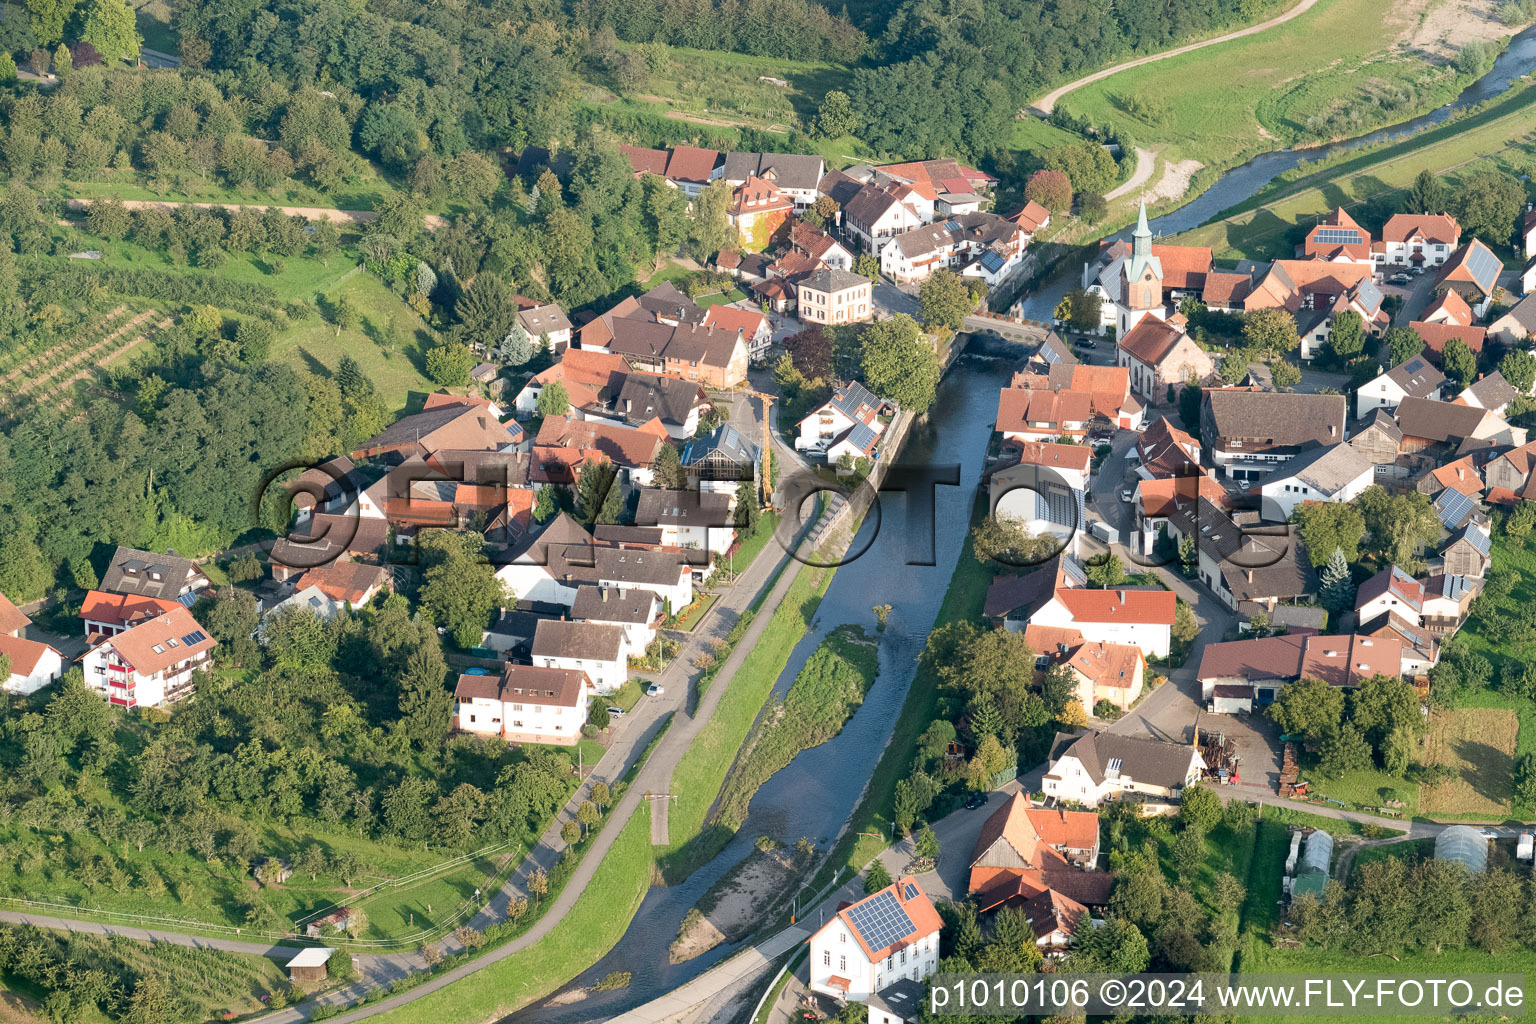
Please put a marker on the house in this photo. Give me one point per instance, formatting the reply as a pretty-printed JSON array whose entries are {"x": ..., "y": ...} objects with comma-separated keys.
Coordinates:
[
  {"x": 1012, "y": 600},
  {"x": 1415, "y": 377},
  {"x": 760, "y": 213},
  {"x": 888, "y": 936},
  {"x": 1139, "y": 618},
  {"x": 1445, "y": 426},
  {"x": 1420, "y": 646},
  {"x": 713, "y": 356},
  {"x": 1516, "y": 324},
  {"x": 1038, "y": 845},
  {"x": 1045, "y": 491},
  {"x": 1252, "y": 567},
  {"x": 1253, "y": 672},
  {"x": 668, "y": 572},
  {"x": 309, "y": 600},
  {"x": 898, "y": 1003},
  {"x": 851, "y": 407},
  {"x": 168, "y": 577},
  {"x": 1511, "y": 470},
  {"x": 690, "y": 169},
  {"x": 1473, "y": 271},
  {"x": 1468, "y": 551},
  {"x": 1528, "y": 232},
  {"x": 1093, "y": 767},
  {"x": 1490, "y": 391},
  {"x": 1326, "y": 473},
  {"x": 677, "y": 403},
  {"x": 464, "y": 424},
  {"x": 662, "y": 332},
  {"x": 1337, "y": 238},
  {"x": 1026, "y": 414},
  {"x": 323, "y": 538},
  {"x": 721, "y": 461},
  {"x": 980, "y": 245},
  {"x": 1248, "y": 433},
  {"x": 591, "y": 379},
  {"x": 633, "y": 610},
  {"x": 594, "y": 649},
  {"x": 565, "y": 444},
  {"x": 542, "y": 325},
  {"x": 34, "y": 665},
  {"x": 525, "y": 704},
  {"x": 1420, "y": 240},
  {"x": 1160, "y": 355},
  {"x": 793, "y": 174},
  {"x": 490, "y": 491},
  {"x": 533, "y": 569},
  {"x": 830, "y": 296},
  {"x": 309, "y": 966},
  {"x": 1164, "y": 451},
  {"x": 753, "y": 327},
  {"x": 1437, "y": 334},
  {"x": 1108, "y": 672},
  {"x": 1391, "y": 590},
  {"x": 152, "y": 664},
  {"x": 1447, "y": 599},
  {"x": 1141, "y": 278},
  {"x": 815, "y": 244},
  {"x": 1449, "y": 308},
  {"x": 1315, "y": 291},
  {"x": 1158, "y": 499},
  {"x": 1225, "y": 291},
  {"x": 352, "y": 584},
  {"x": 688, "y": 519},
  {"x": 935, "y": 177},
  {"x": 1108, "y": 389},
  {"x": 874, "y": 213},
  {"x": 1380, "y": 440},
  {"x": 1031, "y": 218},
  {"x": 110, "y": 614}
]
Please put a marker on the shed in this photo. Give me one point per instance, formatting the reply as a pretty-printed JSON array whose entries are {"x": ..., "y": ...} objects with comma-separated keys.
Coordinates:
[
  {"x": 309, "y": 965},
  {"x": 1525, "y": 850},
  {"x": 1230, "y": 698},
  {"x": 483, "y": 373},
  {"x": 1465, "y": 844}
]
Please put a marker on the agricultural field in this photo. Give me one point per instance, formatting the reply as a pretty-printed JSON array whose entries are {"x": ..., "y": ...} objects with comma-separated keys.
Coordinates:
[
  {"x": 1480, "y": 744},
  {"x": 1336, "y": 71},
  {"x": 1500, "y": 136},
  {"x": 49, "y": 376}
]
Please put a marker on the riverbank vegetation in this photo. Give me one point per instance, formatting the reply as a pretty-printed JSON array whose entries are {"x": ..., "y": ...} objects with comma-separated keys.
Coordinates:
[{"x": 749, "y": 894}]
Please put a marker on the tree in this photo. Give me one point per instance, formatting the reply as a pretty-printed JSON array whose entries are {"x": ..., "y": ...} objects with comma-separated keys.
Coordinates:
[
  {"x": 450, "y": 364},
  {"x": 1337, "y": 591},
  {"x": 899, "y": 364},
  {"x": 1525, "y": 780},
  {"x": 109, "y": 26},
  {"x": 1518, "y": 367},
  {"x": 1051, "y": 189},
  {"x": 598, "y": 493},
  {"x": 1084, "y": 310},
  {"x": 926, "y": 845},
  {"x": 1381, "y": 704},
  {"x": 836, "y": 116},
  {"x": 1228, "y": 892},
  {"x": 1398, "y": 525},
  {"x": 1185, "y": 626},
  {"x": 748, "y": 511},
  {"x": 570, "y": 832},
  {"x": 1403, "y": 343},
  {"x": 1002, "y": 539},
  {"x": 1460, "y": 363},
  {"x": 867, "y": 265},
  {"x": 810, "y": 350},
  {"x": 1486, "y": 204},
  {"x": 1326, "y": 527},
  {"x": 1286, "y": 375},
  {"x": 876, "y": 877},
  {"x": 538, "y": 884},
  {"x": 709, "y": 231},
  {"x": 667, "y": 471},
  {"x": 1092, "y": 207},
  {"x": 1345, "y": 750},
  {"x": 597, "y": 715},
  {"x": 945, "y": 300},
  {"x": 586, "y": 813},
  {"x": 1270, "y": 331},
  {"x": 665, "y": 211},
  {"x": 1308, "y": 707},
  {"x": 1090, "y": 166},
  {"x": 1427, "y": 194},
  {"x": 1199, "y": 809},
  {"x": 553, "y": 400},
  {"x": 487, "y": 311},
  {"x": 1347, "y": 338},
  {"x": 459, "y": 589},
  {"x": 1106, "y": 571}
]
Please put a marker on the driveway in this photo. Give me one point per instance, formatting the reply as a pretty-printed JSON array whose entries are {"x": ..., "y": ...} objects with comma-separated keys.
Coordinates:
[
  {"x": 890, "y": 300},
  {"x": 1416, "y": 295}
]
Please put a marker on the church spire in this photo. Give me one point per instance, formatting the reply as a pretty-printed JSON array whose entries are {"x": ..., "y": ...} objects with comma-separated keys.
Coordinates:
[{"x": 1142, "y": 238}]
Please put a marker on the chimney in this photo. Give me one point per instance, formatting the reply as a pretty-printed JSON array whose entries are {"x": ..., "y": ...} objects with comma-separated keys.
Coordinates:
[
  {"x": 1121, "y": 594},
  {"x": 1249, "y": 574},
  {"x": 605, "y": 595}
]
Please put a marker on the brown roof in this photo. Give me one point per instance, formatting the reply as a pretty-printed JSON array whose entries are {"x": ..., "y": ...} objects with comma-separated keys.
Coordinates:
[
  {"x": 646, "y": 161},
  {"x": 1150, "y": 340},
  {"x": 1048, "y": 453},
  {"x": 1433, "y": 227},
  {"x": 1018, "y": 408},
  {"x": 1282, "y": 418},
  {"x": 1435, "y": 335},
  {"x": 625, "y": 446},
  {"x": 691, "y": 164},
  {"x": 24, "y": 653},
  {"x": 1225, "y": 289},
  {"x": 526, "y": 684},
  {"x": 587, "y": 641},
  {"x": 589, "y": 377},
  {"x": 1343, "y": 660},
  {"x": 12, "y": 618},
  {"x": 612, "y": 604},
  {"x": 344, "y": 581},
  {"x": 1184, "y": 266},
  {"x": 442, "y": 425},
  {"x": 1454, "y": 307},
  {"x": 161, "y": 642}
]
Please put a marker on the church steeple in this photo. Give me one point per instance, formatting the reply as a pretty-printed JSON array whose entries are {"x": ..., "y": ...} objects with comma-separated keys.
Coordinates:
[
  {"x": 1141, "y": 239},
  {"x": 1143, "y": 288}
]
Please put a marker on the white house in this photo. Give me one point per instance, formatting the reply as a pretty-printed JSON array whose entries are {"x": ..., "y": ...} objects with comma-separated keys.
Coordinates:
[
  {"x": 1415, "y": 377},
  {"x": 665, "y": 573},
  {"x": 1335, "y": 473},
  {"x": 1528, "y": 232},
  {"x": 1417, "y": 239},
  {"x": 1390, "y": 590},
  {"x": 536, "y": 323},
  {"x": 1045, "y": 491},
  {"x": 1139, "y": 618},
  {"x": 688, "y": 519},
  {"x": 634, "y": 611},
  {"x": 550, "y": 566},
  {"x": 1092, "y": 767},
  {"x": 525, "y": 704},
  {"x": 595, "y": 649},
  {"x": 875, "y": 214},
  {"x": 751, "y": 324},
  {"x": 310, "y": 599},
  {"x": 852, "y": 405},
  {"x": 33, "y": 665},
  {"x": 869, "y": 945},
  {"x": 155, "y": 663}
]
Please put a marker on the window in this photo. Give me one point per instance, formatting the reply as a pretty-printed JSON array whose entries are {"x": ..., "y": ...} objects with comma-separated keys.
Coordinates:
[
  {"x": 842, "y": 963},
  {"x": 826, "y": 958},
  {"x": 842, "y": 936}
]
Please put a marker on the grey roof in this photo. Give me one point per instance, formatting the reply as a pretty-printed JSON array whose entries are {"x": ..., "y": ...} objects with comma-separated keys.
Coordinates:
[
  {"x": 1298, "y": 616},
  {"x": 1452, "y": 586},
  {"x": 589, "y": 641},
  {"x": 727, "y": 442},
  {"x": 614, "y": 534},
  {"x": 786, "y": 170},
  {"x": 868, "y": 204},
  {"x": 1524, "y": 312},
  {"x": 647, "y": 395},
  {"x": 1256, "y": 562},
  {"x": 1493, "y": 391},
  {"x": 839, "y": 187},
  {"x": 1317, "y": 852},
  {"x": 135, "y": 572},
  {"x": 1438, "y": 421},
  {"x": 562, "y": 532},
  {"x": 611, "y": 604},
  {"x": 545, "y": 319},
  {"x": 665, "y": 300},
  {"x": 1326, "y": 468},
  {"x": 1417, "y": 376},
  {"x": 832, "y": 279},
  {"x": 1284, "y": 418},
  {"x": 637, "y": 566},
  {"x": 1144, "y": 760},
  {"x": 902, "y": 999},
  {"x": 1381, "y": 419},
  {"x": 515, "y": 624},
  {"x": 683, "y": 508},
  {"x": 1056, "y": 351}
]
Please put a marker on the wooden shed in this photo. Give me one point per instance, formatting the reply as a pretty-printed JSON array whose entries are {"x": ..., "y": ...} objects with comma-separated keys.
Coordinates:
[{"x": 309, "y": 965}]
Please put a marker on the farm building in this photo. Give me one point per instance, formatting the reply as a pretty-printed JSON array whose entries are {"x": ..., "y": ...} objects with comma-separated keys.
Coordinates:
[
  {"x": 309, "y": 965},
  {"x": 1463, "y": 843}
]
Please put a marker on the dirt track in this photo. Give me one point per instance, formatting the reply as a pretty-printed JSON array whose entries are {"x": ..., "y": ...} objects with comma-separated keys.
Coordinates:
[{"x": 316, "y": 213}]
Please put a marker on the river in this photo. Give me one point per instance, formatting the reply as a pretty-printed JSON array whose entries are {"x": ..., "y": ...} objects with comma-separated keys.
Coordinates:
[
  {"x": 1245, "y": 181},
  {"x": 817, "y": 792}
]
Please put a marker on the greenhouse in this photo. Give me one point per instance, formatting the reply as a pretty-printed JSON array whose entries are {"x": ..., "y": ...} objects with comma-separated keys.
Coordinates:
[{"x": 1463, "y": 843}]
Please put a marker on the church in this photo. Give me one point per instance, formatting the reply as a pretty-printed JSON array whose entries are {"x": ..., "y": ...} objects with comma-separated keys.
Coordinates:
[{"x": 1139, "y": 278}]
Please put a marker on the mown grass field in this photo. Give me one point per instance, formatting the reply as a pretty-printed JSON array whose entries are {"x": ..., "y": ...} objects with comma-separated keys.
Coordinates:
[
  {"x": 1269, "y": 226},
  {"x": 1305, "y": 80},
  {"x": 1480, "y": 744}
]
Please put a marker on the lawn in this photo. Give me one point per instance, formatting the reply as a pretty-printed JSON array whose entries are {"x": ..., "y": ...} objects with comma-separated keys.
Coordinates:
[
  {"x": 388, "y": 343},
  {"x": 594, "y": 924},
  {"x": 1030, "y": 134},
  {"x": 1365, "y": 789},
  {"x": 153, "y": 20},
  {"x": 1334, "y": 72},
  {"x": 300, "y": 279},
  {"x": 692, "y": 615},
  {"x": 1480, "y": 744},
  {"x": 1269, "y": 225}
]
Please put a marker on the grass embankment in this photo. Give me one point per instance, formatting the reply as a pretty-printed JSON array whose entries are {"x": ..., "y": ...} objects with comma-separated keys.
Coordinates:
[
  {"x": 824, "y": 696},
  {"x": 701, "y": 773},
  {"x": 1268, "y": 225},
  {"x": 1337, "y": 71},
  {"x": 596, "y": 921}
]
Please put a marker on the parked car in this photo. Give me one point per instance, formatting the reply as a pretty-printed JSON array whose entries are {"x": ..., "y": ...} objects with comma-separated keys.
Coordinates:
[
  {"x": 1127, "y": 495},
  {"x": 976, "y": 800},
  {"x": 652, "y": 690},
  {"x": 615, "y": 712},
  {"x": 1399, "y": 279},
  {"x": 1416, "y": 270}
]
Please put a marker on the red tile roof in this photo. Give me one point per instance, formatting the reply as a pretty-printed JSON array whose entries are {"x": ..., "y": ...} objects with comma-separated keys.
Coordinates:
[
  {"x": 1435, "y": 335},
  {"x": 1140, "y": 607},
  {"x": 1017, "y": 409},
  {"x": 1433, "y": 227},
  {"x": 343, "y": 581},
  {"x": 24, "y": 654},
  {"x": 137, "y": 645},
  {"x": 11, "y": 617},
  {"x": 1224, "y": 289},
  {"x": 691, "y": 164},
  {"x": 122, "y": 609},
  {"x": 1150, "y": 340},
  {"x": 925, "y": 919},
  {"x": 744, "y": 321},
  {"x": 646, "y": 161},
  {"x": 1047, "y": 453},
  {"x": 1184, "y": 266},
  {"x": 1454, "y": 306}
]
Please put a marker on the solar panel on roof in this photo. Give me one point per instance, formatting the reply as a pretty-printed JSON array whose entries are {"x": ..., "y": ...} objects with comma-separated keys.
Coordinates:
[
  {"x": 910, "y": 891},
  {"x": 1074, "y": 571},
  {"x": 880, "y": 920},
  {"x": 1453, "y": 506},
  {"x": 196, "y": 637},
  {"x": 1337, "y": 236},
  {"x": 1483, "y": 265},
  {"x": 1478, "y": 539},
  {"x": 1414, "y": 365},
  {"x": 861, "y": 437}
]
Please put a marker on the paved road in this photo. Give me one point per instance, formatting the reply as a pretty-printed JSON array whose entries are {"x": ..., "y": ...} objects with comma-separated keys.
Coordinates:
[{"x": 1047, "y": 103}]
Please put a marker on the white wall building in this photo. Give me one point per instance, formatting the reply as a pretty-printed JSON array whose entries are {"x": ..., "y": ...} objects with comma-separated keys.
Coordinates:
[
  {"x": 1336, "y": 473},
  {"x": 1092, "y": 767},
  {"x": 153, "y": 664},
  {"x": 1139, "y": 618},
  {"x": 634, "y": 611},
  {"x": 596, "y": 650},
  {"x": 525, "y": 704},
  {"x": 1415, "y": 377},
  {"x": 884, "y": 938},
  {"x": 33, "y": 665}
]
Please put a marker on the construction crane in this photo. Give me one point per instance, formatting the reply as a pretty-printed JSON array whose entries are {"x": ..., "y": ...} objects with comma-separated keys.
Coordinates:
[{"x": 766, "y": 485}]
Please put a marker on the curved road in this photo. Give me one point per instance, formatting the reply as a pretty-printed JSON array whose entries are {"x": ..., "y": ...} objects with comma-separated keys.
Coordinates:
[{"x": 1048, "y": 102}]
